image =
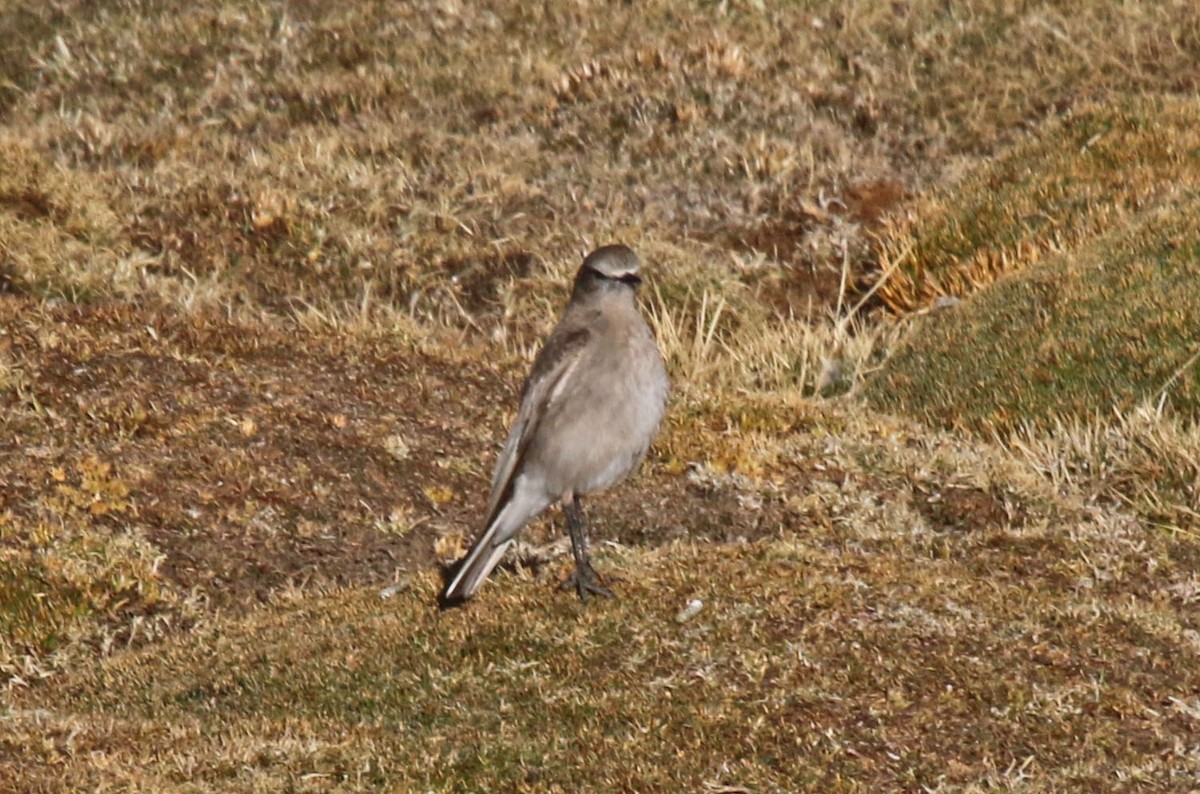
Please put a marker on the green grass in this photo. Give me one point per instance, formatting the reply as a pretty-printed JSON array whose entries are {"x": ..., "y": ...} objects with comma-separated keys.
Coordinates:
[
  {"x": 762, "y": 689},
  {"x": 1076, "y": 339},
  {"x": 77, "y": 581},
  {"x": 1077, "y": 180},
  {"x": 1087, "y": 334}
]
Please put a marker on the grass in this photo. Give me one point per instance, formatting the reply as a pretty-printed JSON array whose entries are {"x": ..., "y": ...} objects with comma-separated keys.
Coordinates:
[
  {"x": 1143, "y": 460},
  {"x": 59, "y": 234},
  {"x": 1082, "y": 351},
  {"x": 1104, "y": 328},
  {"x": 983, "y": 634},
  {"x": 76, "y": 579},
  {"x": 269, "y": 278},
  {"x": 1086, "y": 176}
]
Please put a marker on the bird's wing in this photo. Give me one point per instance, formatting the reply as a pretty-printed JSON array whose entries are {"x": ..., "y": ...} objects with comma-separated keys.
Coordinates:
[
  {"x": 551, "y": 370},
  {"x": 508, "y": 508}
]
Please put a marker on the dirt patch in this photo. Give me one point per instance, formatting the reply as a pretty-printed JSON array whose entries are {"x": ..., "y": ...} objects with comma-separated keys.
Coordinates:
[
  {"x": 252, "y": 458},
  {"x": 802, "y": 238},
  {"x": 256, "y": 459},
  {"x": 27, "y": 205},
  {"x": 477, "y": 281},
  {"x": 871, "y": 201},
  {"x": 960, "y": 509}
]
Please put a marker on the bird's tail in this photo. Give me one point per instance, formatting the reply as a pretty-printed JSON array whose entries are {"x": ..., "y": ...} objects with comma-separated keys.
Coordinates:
[
  {"x": 473, "y": 569},
  {"x": 487, "y": 551}
]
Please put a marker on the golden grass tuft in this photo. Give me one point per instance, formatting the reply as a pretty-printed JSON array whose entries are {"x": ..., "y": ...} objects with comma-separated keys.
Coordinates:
[
  {"x": 79, "y": 581},
  {"x": 58, "y": 233},
  {"x": 1144, "y": 460},
  {"x": 1090, "y": 173}
]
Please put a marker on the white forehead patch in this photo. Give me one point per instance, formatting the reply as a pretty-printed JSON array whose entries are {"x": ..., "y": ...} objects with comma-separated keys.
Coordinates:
[{"x": 613, "y": 261}]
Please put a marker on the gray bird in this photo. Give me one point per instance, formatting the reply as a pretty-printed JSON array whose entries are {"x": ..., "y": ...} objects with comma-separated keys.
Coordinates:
[{"x": 589, "y": 409}]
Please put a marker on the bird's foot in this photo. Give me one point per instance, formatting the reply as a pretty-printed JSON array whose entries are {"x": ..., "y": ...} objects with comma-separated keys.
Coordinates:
[{"x": 585, "y": 581}]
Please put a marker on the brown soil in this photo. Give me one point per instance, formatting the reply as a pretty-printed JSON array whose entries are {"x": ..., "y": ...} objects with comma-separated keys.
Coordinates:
[{"x": 256, "y": 458}]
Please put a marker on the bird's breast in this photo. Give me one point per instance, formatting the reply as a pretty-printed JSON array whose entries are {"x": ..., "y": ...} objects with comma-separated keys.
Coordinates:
[{"x": 604, "y": 421}]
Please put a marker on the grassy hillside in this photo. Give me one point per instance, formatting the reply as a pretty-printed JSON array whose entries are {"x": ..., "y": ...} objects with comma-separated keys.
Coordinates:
[
  {"x": 911, "y": 582},
  {"x": 1109, "y": 325},
  {"x": 270, "y": 274},
  {"x": 1083, "y": 352},
  {"x": 1089, "y": 175}
]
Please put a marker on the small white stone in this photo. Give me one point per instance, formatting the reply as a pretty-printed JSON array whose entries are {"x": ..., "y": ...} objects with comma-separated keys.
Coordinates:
[
  {"x": 690, "y": 611},
  {"x": 397, "y": 447},
  {"x": 392, "y": 590}
]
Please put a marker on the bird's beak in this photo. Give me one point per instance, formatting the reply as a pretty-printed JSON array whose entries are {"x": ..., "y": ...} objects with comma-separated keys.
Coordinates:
[{"x": 632, "y": 279}]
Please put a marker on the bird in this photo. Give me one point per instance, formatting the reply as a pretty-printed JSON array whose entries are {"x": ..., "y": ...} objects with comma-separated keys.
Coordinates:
[{"x": 590, "y": 407}]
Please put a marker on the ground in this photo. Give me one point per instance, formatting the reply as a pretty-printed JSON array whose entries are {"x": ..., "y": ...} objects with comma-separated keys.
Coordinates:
[{"x": 923, "y": 514}]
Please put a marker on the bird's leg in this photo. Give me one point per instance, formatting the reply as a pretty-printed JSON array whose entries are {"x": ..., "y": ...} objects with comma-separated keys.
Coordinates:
[{"x": 584, "y": 578}]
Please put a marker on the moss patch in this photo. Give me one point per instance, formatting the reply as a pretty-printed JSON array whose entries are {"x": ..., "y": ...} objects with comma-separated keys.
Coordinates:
[
  {"x": 1082, "y": 178},
  {"x": 1111, "y": 324}
]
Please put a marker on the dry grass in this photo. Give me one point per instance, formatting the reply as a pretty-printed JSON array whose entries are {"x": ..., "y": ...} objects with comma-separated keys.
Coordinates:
[
  {"x": 723, "y": 340},
  {"x": 57, "y": 232},
  {"x": 269, "y": 154},
  {"x": 1082, "y": 178},
  {"x": 1144, "y": 460},
  {"x": 270, "y": 273},
  {"x": 815, "y": 662},
  {"x": 1107, "y": 326}
]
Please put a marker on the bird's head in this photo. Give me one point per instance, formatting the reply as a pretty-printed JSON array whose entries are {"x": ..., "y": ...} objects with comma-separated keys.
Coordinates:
[{"x": 608, "y": 267}]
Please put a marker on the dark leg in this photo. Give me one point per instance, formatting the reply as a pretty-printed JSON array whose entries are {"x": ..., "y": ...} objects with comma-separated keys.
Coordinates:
[{"x": 584, "y": 578}]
